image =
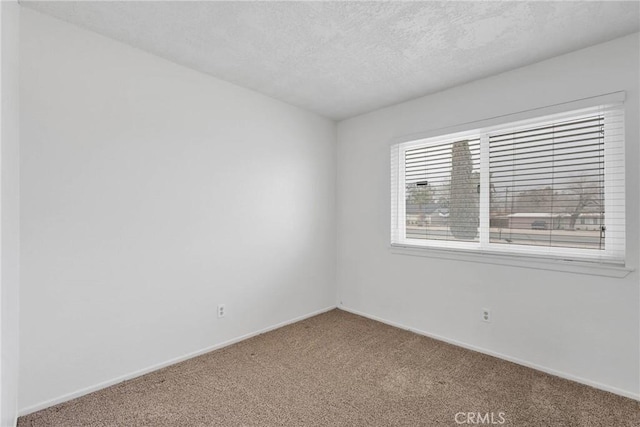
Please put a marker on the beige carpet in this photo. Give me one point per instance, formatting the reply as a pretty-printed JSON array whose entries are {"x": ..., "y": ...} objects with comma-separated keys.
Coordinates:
[{"x": 338, "y": 369}]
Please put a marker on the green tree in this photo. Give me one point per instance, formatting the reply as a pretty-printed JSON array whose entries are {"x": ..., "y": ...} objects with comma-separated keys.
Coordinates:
[
  {"x": 464, "y": 198},
  {"x": 441, "y": 194},
  {"x": 419, "y": 195}
]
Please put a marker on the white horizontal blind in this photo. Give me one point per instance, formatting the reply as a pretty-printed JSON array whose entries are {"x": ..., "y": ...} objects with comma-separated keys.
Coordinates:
[
  {"x": 442, "y": 191},
  {"x": 547, "y": 186},
  {"x": 552, "y": 187}
]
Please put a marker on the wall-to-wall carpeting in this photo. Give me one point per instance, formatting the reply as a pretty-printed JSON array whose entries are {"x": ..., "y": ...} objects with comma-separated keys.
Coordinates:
[{"x": 339, "y": 369}]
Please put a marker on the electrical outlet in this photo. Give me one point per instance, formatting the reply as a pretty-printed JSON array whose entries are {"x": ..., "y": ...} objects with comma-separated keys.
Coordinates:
[
  {"x": 486, "y": 315},
  {"x": 221, "y": 310}
]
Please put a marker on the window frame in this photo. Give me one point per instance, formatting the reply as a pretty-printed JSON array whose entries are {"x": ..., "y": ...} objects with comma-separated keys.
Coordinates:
[{"x": 613, "y": 258}]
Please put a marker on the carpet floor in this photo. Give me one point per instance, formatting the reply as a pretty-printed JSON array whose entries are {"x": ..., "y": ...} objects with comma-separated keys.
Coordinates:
[{"x": 339, "y": 369}]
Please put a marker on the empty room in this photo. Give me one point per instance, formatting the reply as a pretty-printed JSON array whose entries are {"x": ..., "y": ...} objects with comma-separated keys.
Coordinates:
[{"x": 356, "y": 213}]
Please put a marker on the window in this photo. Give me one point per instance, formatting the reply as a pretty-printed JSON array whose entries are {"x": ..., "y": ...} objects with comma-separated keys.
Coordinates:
[{"x": 552, "y": 186}]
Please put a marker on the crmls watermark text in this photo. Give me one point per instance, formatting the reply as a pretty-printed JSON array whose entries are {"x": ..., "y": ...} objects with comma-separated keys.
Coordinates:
[{"x": 480, "y": 418}]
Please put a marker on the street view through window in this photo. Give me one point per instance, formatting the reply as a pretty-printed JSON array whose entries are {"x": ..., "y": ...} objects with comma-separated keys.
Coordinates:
[{"x": 538, "y": 186}]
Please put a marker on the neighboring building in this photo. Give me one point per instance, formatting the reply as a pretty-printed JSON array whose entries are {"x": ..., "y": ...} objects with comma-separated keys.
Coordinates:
[
  {"x": 548, "y": 221},
  {"x": 590, "y": 221}
]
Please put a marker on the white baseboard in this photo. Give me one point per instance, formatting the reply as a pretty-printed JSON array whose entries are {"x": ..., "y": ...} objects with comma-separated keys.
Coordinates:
[
  {"x": 131, "y": 375},
  {"x": 544, "y": 369}
]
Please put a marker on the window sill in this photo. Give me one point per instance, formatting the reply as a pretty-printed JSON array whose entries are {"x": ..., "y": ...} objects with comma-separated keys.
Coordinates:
[{"x": 576, "y": 267}]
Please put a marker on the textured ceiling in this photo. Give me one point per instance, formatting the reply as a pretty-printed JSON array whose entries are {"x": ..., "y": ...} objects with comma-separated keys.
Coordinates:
[{"x": 342, "y": 59}]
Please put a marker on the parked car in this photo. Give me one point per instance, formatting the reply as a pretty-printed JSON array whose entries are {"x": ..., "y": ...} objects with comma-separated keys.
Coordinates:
[{"x": 539, "y": 225}]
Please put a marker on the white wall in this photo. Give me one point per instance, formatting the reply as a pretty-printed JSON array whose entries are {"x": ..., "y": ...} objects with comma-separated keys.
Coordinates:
[
  {"x": 9, "y": 213},
  {"x": 150, "y": 193},
  {"x": 581, "y": 326}
]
